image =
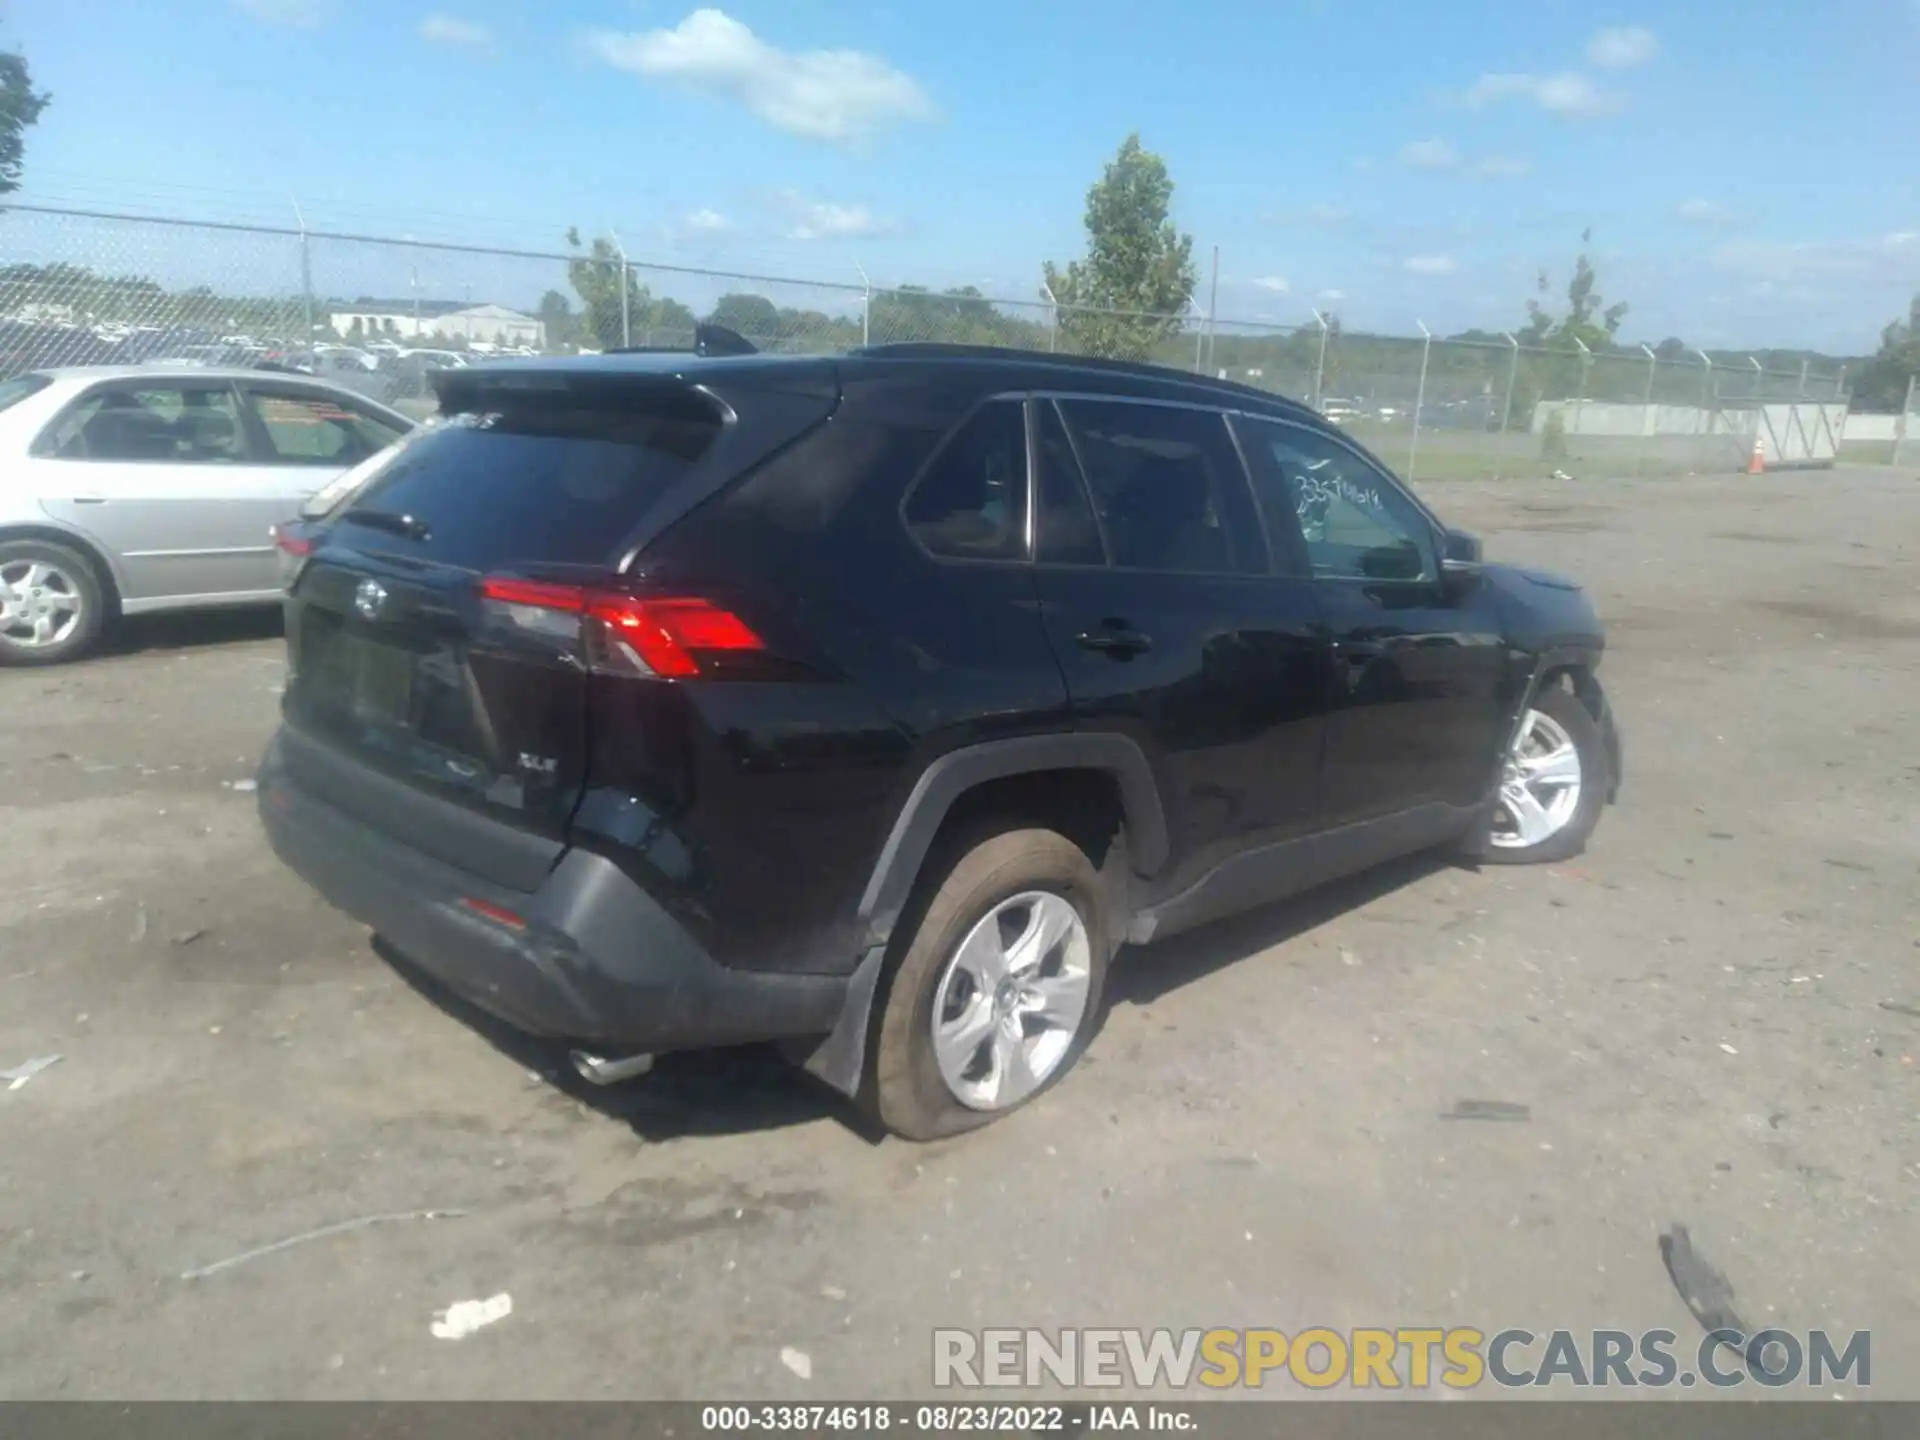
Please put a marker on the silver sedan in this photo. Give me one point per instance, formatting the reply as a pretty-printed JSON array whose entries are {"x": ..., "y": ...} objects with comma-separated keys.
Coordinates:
[{"x": 131, "y": 489}]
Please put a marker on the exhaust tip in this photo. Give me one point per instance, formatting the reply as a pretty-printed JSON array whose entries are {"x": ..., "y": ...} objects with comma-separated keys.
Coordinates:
[{"x": 605, "y": 1070}]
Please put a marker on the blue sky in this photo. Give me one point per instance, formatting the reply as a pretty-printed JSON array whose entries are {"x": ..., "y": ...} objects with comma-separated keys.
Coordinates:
[{"x": 1748, "y": 166}]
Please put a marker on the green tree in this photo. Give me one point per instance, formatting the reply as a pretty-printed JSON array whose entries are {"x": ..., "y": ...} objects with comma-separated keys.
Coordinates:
[
  {"x": 556, "y": 316},
  {"x": 1882, "y": 383},
  {"x": 20, "y": 107},
  {"x": 596, "y": 273},
  {"x": 670, "y": 323},
  {"x": 753, "y": 316},
  {"x": 1588, "y": 320},
  {"x": 1132, "y": 289}
]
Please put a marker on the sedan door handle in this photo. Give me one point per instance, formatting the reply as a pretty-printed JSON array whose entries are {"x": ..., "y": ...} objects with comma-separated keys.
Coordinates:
[{"x": 1115, "y": 640}]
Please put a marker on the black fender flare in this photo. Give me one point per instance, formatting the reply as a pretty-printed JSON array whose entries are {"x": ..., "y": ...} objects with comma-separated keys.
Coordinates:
[
  {"x": 840, "y": 1058},
  {"x": 953, "y": 774},
  {"x": 1583, "y": 659}
]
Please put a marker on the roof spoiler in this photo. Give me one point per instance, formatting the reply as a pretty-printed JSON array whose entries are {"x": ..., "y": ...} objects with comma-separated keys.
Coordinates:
[{"x": 708, "y": 339}]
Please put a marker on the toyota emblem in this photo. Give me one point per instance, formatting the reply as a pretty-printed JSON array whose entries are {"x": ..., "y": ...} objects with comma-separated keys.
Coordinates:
[{"x": 369, "y": 599}]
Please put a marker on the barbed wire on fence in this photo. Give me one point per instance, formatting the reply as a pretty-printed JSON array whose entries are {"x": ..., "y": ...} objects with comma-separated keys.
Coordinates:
[{"x": 379, "y": 313}]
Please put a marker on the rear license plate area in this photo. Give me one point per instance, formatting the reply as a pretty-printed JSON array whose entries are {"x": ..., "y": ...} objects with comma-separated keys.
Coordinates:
[{"x": 382, "y": 685}]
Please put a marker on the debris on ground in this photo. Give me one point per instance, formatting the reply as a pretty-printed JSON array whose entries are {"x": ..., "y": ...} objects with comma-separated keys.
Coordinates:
[
  {"x": 1912, "y": 1011},
  {"x": 244, "y": 787},
  {"x": 187, "y": 937},
  {"x": 1487, "y": 1110},
  {"x": 1707, "y": 1293},
  {"x": 456, "y": 1322},
  {"x": 27, "y": 1069},
  {"x": 340, "y": 1228},
  {"x": 1728, "y": 1048},
  {"x": 833, "y": 1292},
  {"x": 139, "y": 926},
  {"x": 798, "y": 1362}
]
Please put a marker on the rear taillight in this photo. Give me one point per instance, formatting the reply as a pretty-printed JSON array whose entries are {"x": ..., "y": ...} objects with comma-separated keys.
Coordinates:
[
  {"x": 668, "y": 636},
  {"x": 293, "y": 546}
]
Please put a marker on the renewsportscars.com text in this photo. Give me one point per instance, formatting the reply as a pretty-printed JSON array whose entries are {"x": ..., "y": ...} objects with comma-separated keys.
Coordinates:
[{"x": 1461, "y": 1358}]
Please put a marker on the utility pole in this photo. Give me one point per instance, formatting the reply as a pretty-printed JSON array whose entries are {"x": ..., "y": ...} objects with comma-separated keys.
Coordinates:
[{"x": 1213, "y": 312}]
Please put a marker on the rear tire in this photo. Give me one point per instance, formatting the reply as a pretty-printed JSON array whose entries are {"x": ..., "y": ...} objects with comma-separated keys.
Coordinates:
[
  {"x": 52, "y": 603},
  {"x": 1022, "y": 910},
  {"x": 1556, "y": 722}
]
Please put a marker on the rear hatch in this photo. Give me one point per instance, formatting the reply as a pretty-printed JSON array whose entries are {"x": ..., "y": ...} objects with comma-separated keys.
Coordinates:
[{"x": 446, "y": 623}]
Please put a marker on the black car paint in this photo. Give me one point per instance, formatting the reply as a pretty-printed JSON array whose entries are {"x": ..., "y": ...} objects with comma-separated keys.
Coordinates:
[{"x": 774, "y": 824}]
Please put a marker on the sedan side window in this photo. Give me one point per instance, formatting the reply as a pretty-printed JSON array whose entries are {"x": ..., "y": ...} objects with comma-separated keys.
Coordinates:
[
  {"x": 159, "y": 424},
  {"x": 317, "y": 430},
  {"x": 1357, "y": 524}
]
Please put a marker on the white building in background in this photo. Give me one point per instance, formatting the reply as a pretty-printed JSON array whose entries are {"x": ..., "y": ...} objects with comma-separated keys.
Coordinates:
[{"x": 437, "y": 319}]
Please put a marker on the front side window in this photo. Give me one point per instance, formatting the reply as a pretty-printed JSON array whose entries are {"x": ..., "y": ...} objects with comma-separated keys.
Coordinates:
[
  {"x": 972, "y": 502},
  {"x": 318, "y": 430},
  {"x": 1158, "y": 475},
  {"x": 1356, "y": 523},
  {"x": 159, "y": 424}
]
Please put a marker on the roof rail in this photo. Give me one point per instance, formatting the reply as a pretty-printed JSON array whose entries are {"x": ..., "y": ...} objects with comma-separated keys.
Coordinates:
[
  {"x": 936, "y": 350},
  {"x": 707, "y": 340}
]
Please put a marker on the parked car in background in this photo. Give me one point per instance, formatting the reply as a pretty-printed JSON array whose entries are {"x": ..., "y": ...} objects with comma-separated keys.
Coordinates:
[
  {"x": 868, "y": 704},
  {"x": 131, "y": 489}
]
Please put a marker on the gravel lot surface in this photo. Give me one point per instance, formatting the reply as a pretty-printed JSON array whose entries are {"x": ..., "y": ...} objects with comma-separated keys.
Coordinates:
[{"x": 1713, "y": 1018}]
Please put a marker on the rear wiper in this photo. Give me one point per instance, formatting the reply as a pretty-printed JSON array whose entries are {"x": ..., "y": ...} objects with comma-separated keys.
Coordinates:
[{"x": 407, "y": 525}]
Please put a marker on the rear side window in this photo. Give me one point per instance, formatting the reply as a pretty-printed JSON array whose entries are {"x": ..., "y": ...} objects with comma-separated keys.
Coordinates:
[
  {"x": 972, "y": 503},
  {"x": 1069, "y": 535},
  {"x": 540, "y": 485},
  {"x": 1160, "y": 478},
  {"x": 13, "y": 391},
  {"x": 316, "y": 430}
]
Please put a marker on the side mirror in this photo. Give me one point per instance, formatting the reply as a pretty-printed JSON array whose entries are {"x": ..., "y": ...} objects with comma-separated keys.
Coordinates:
[{"x": 1460, "y": 560}]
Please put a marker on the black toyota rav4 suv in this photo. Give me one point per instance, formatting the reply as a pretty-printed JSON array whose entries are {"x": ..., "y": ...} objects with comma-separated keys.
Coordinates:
[{"x": 869, "y": 703}]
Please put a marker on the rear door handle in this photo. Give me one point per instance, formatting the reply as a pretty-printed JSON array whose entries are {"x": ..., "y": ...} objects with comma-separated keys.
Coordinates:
[{"x": 1115, "y": 640}]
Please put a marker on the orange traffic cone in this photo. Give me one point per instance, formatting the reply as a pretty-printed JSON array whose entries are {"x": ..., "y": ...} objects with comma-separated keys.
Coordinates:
[{"x": 1757, "y": 464}]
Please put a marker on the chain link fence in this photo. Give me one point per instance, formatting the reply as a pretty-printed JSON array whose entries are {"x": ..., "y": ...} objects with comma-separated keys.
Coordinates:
[{"x": 381, "y": 315}]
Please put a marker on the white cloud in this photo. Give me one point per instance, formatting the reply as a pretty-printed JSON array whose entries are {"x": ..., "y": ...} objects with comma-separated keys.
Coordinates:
[
  {"x": 284, "y": 12},
  {"x": 448, "y": 30},
  {"x": 1565, "y": 93},
  {"x": 1428, "y": 265},
  {"x": 829, "y": 220},
  {"x": 1323, "y": 214},
  {"x": 1430, "y": 155},
  {"x": 1894, "y": 257},
  {"x": 1622, "y": 47},
  {"x": 706, "y": 222},
  {"x": 1705, "y": 213},
  {"x": 832, "y": 95},
  {"x": 1503, "y": 167},
  {"x": 1333, "y": 297},
  {"x": 1278, "y": 284}
]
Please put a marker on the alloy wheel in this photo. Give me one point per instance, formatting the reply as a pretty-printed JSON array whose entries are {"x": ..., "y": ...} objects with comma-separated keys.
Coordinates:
[
  {"x": 1012, "y": 1000},
  {"x": 40, "y": 603},
  {"x": 1539, "y": 786}
]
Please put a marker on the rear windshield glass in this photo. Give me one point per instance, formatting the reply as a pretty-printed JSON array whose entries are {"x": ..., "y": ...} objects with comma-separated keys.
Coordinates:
[
  {"x": 13, "y": 391},
  {"x": 545, "y": 485}
]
